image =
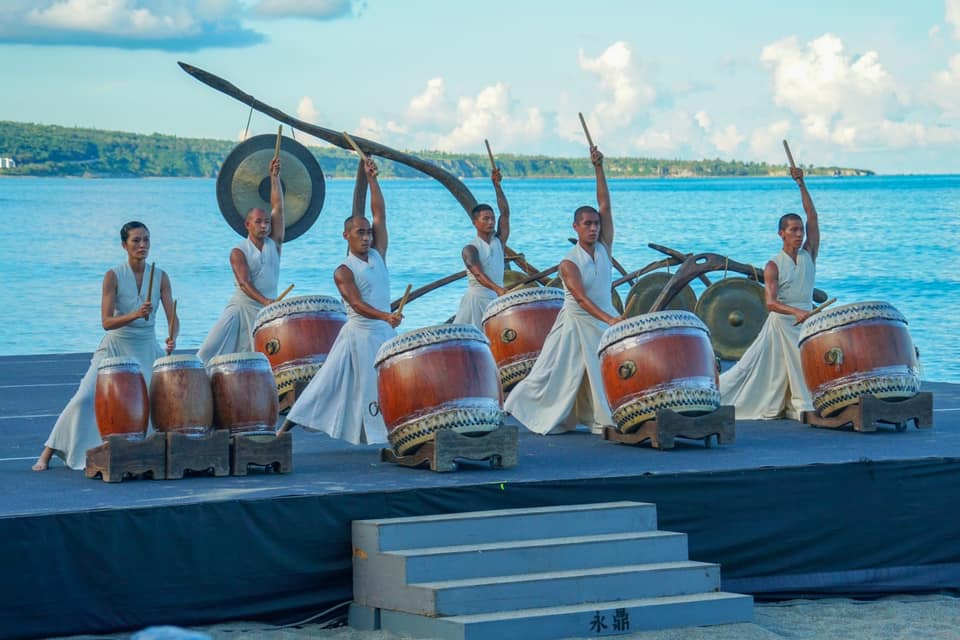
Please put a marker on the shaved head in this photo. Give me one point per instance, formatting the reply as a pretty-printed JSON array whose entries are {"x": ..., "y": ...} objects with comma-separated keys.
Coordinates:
[
  {"x": 352, "y": 220},
  {"x": 785, "y": 220},
  {"x": 582, "y": 211}
]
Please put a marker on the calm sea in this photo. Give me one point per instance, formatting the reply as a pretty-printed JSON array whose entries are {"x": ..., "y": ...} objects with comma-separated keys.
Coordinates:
[{"x": 883, "y": 238}]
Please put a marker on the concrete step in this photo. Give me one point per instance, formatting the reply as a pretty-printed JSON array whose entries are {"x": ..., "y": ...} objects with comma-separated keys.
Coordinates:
[
  {"x": 482, "y": 527},
  {"x": 555, "y": 588},
  {"x": 579, "y": 620},
  {"x": 533, "y": 556}
]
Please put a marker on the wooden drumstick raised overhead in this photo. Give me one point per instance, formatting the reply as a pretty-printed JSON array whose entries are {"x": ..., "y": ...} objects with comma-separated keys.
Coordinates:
[
  {"x": 355, "y": 146},
  {"x": 403, "y": 300},
  {"x": 817, "y": 310},
  {"x": 493, "y": 165},
  {"x": 786, "y": 148},
  {"x": 276, "y": 150},
  {"x": 586, "y": 131},
  {"x": 284, "y": 293}
]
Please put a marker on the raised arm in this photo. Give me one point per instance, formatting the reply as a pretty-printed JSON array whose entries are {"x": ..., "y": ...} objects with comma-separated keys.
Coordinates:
[
  {"x": 277, "y": 223},
  {"x": 347, "y": 285},
  {"x": 503, "y": 224},
  {"x": 378, "y": 209},
  {"x": 166, "y": 298},
  {"x": 603, "y": 201},
  {"x": 574, "y": 284},
  {"x": 771, "y": 275},
  {"x": 812, "y": 242},
  {"x": 108, "y": 302},
  {"x": 241, "y": 272},
  {"x": 471, "y": 260}
]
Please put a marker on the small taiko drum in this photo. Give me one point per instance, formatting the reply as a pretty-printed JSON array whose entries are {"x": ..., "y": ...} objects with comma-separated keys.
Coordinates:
[
  {"x": 120, "y": 400},
  {"x": 296, "y": 335},
  {"x": 244, "y": 393},
  {"x": 440, "y": 377},
  {"x": 516, "y": 325},
  {"x": 181, "y": 400},
  {"x": 659, "y": 360},
  {"x": 855, "y": 350}
]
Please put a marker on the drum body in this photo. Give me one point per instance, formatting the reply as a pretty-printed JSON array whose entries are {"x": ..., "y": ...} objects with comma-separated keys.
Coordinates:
[
  {"x": 516, "y": 324},
  {"x": 244, "y": 393},
  {"x": 120, "y": 400},
  {"x": 296, "y": 335},
  {"x": 440, "y": 377},
  {"x": 854, "y": 350},
  {"x": 181, "y": 400},
  {"x": 659, "y": 360}
]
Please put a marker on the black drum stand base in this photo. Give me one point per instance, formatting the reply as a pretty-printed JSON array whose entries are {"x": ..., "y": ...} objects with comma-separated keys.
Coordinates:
[
  {"x": 272, "y": 452},
  {"x": 448, "y": 449},
  {"x": 119, "y": 457},
  {"x": 198, "y": 454},
  {"x": 870, "y": 410},
  {"x": 668, "y": 425}
]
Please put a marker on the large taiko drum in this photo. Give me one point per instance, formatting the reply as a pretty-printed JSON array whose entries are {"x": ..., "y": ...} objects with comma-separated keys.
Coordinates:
[
  {"x": 659, "y": 360},
  {"x": 296, "y": 335},
  {"x": 440, "y": 377},
  {"x": 516, "y": 325},
  {"x": 854, "y": 350},
  {"x": 120, "y": 400},
  {"x": 244, "y": 394},
  {"x": 181, "y": 400}
]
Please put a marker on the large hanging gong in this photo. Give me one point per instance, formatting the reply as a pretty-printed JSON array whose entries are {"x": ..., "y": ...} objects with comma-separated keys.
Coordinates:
[
  {"x": 644, "y": 293},
  {"x": 244, "y": 183},
  {"x": 734, "y": 310}
]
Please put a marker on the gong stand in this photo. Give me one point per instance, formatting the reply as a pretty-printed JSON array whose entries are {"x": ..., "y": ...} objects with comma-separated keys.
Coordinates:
[
  {"x": 449, "y": 449},
  {"x": 869, "y": 410},
  {"x": 118, "y": 458},
  {"x": 668, "y": 425}
]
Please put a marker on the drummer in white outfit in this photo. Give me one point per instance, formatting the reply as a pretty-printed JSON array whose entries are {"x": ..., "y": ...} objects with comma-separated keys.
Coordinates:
[
  {"x": 128, "y": 318},
  {"x": 565, "y": 388},
  {"x": 767, "y": 382},
  {"x": 483, "y": 258},
  {"x": 256, "y": 269},
  {"x": 341, "y": 399}
]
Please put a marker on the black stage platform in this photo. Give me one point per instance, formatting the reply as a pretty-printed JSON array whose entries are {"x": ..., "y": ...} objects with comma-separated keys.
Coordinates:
[{"x": 787, "y": 510}]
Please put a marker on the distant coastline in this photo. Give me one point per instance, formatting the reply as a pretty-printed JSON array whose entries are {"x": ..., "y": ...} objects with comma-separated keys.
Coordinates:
[{"x": 54, "y": 151}]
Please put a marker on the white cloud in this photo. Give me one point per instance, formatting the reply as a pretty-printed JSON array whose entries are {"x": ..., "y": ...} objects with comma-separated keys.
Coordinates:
[
  {"x": 307, "y": 111},
  {"x": 766, "y": 143},
  {"x": 113, "y": 17},
  {"x": 953, "y": 16},
  {"x": 727, "y": 139},
  {"x": 491, "y": 115},
  {"x": 431, "y": 105},
  {"x": 312, "y": 9},
  {"x": 703, "y": 119},
  {"x": 945, "y": 90}
]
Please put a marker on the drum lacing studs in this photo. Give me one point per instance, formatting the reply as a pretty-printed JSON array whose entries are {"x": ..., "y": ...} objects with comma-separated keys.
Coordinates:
[
  {"x": 374, "y": 408},
  {"x": 834, "y": 356},
  {"x": 508, "y": 335},
  {"x": 272, "y": 346},
  {"x": 627, "y": 369}
]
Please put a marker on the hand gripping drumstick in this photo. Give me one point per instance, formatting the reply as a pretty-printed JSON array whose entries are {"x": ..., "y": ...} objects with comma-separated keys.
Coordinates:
[
  {"x": 283, "y": 295},
  {"x": 356, "y": 147},
  {"x": 585, "y": 130},
  {"x": 817, "y": 310},
  {"x": 403, "y": 300}
]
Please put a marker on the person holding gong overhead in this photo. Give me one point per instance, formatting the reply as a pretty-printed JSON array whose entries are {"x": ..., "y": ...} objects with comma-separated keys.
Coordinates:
[{"x": 127, "y": 312}]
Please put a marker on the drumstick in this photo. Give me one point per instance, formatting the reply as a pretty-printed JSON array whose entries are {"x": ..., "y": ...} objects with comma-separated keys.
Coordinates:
[
  {"x": 276, "y": 150},
  {"x": 356, "y": 148},
  {"x": 817, "y": 310},
  {"x": 786, "y": 148},
  {"x": 403, "y": 300},
  {"x": 285, "y": 292},
  {"x": 173, "y": 317},
  {"x": 585, "y": 130},
  {"x": 493, "y": 165},
  {"x": 150, "y": 284}
]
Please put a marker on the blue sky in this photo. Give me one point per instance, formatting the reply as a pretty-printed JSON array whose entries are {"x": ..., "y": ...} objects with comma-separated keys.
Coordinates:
[{"x": 868, "y": 84}]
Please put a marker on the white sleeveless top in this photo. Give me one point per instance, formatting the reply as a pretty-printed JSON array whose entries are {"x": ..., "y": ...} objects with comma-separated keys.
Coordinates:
[
  {"x": 130, "y": 299},
  {"x": 795, "y": 282},
  {"x": 595, "y": 272},
  {"x": 264, "y": 268},
  {"x": 491, "y": 261},
  {"x": 373, "y": 282}
]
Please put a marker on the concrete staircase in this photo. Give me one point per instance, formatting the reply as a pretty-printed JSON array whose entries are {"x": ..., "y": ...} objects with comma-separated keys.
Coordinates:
[{"x": 551, "y": 572}]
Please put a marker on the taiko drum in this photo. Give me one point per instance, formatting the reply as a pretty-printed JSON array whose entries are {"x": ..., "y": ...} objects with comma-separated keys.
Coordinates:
[
  {"x": 244, "y": 393},
  {"x": 296, "y": 334},
  {"x": 121, "y": 405},
  {"x": 516, "y": 324},
  {"x": 659, "y": 360},
  {"x": 440, "y": 377},
  {"x": 181, "y": 400},
  {"x": 855, "y": 350}
]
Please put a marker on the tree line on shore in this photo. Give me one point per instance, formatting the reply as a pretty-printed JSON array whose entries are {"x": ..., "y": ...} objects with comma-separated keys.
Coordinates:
[{"x": 48, "y": 150}]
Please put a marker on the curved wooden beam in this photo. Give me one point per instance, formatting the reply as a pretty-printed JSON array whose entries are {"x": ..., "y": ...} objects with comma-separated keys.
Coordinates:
[
  {"x": 653, "y": 266},
  {"x": 424, "y": 290},
  {"x": 673, "y": 253}
]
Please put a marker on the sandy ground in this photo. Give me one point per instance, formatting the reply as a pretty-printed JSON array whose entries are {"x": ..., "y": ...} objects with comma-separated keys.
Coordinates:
[{"x": 892, "y": 618}]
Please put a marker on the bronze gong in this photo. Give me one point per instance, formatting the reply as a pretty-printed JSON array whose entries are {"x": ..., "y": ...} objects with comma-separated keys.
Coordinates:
[
  {"x": 244, "y": 183},
  {"x": 734, "y": 310}
]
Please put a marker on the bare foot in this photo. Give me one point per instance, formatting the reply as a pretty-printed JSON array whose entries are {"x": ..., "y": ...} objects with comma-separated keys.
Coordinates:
[{"x": 43, "y": 462}]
